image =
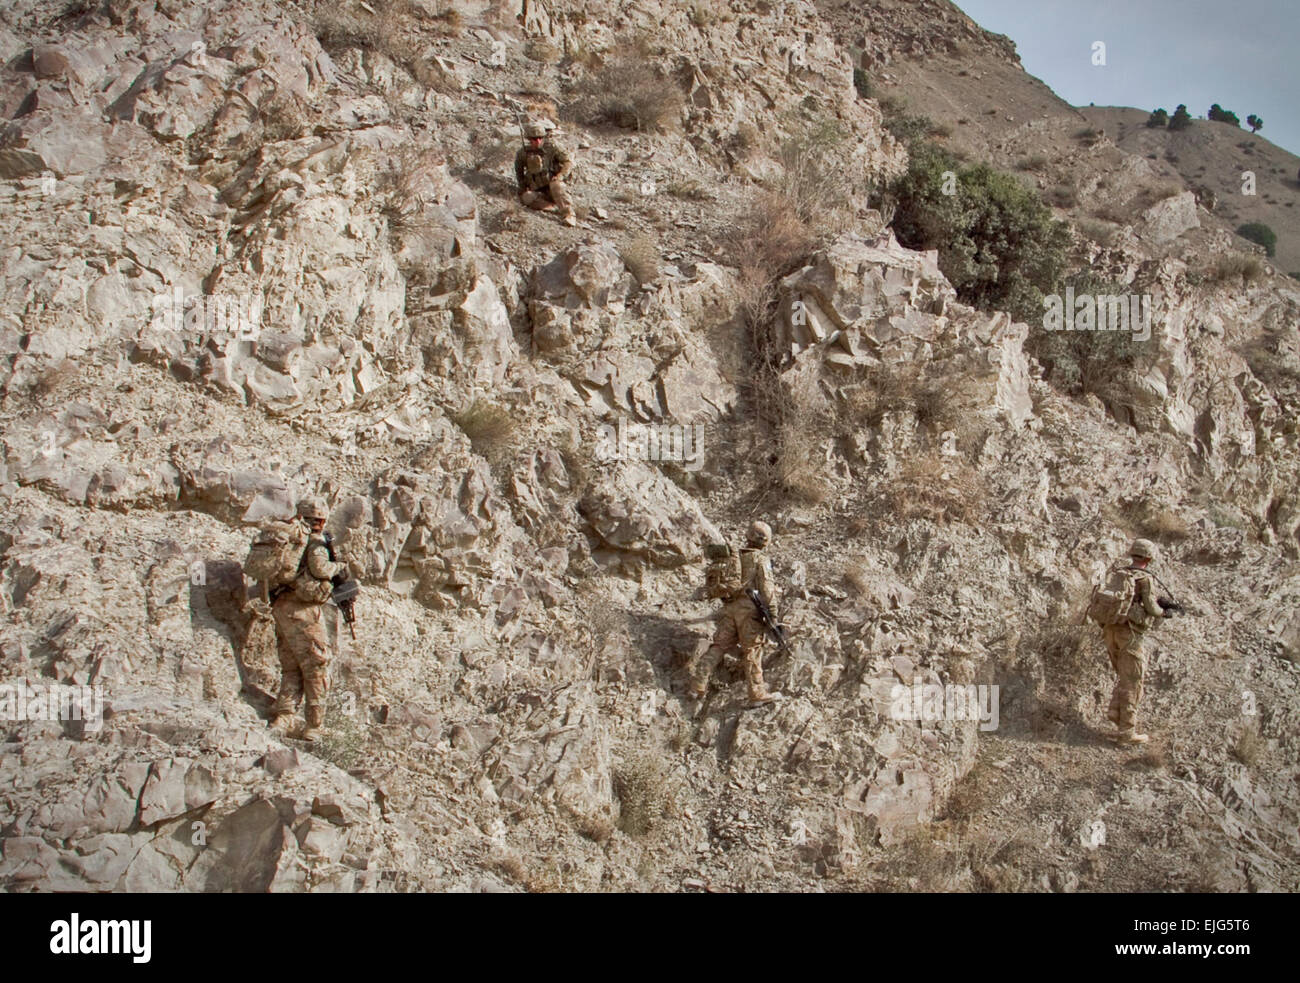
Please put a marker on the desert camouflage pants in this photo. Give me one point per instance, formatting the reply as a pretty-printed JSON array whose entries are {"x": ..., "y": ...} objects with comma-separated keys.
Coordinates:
[
  {"x": 557, "y": 192},
  {"x": 738, "y": 628},
  {"x": 304, "y": 654},
  {"x": 1124, "y": 645}
]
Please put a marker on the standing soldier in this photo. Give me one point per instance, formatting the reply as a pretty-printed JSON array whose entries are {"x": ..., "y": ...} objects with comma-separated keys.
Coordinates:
[
  {"x": 298, "y": 609},
  {"x": 739, "y": 625},
  {"x": 1127, "y": 607},
  {"x": 541, "y": 166}
]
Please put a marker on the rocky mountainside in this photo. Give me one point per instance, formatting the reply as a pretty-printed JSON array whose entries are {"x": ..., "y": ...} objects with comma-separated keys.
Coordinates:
[
  {"x": 257, "y": 250},
  {"x": 1211, "y": 158}
]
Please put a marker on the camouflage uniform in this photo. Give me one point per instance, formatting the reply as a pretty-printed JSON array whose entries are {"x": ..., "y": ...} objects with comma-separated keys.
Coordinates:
[
  {"x": 300, "y": 642},
  {"x": 1124, "y": 646},
  {"x": 739, "y": 626},
  {"x": 540, "y": 173}
]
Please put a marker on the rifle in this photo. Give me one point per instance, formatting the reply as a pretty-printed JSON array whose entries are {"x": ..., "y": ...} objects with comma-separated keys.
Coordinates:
[
  {"x": 1166, "y": 602},
  {"x": 769, "y": 622},
  {"x": 345, "y": 591}
]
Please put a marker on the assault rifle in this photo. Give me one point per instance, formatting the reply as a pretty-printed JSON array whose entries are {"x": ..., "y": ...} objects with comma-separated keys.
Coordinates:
[
  {"x": 769, "y": 622},
  {"x": 345, "y": 591},
  {"x": 1166, "y": 601}
]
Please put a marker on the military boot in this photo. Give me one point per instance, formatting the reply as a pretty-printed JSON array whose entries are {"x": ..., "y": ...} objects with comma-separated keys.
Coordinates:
[
  {"x": 1131, "y": 736},
  {"x": 282, "y": 723},
  {"x": 315, "y": 723}
]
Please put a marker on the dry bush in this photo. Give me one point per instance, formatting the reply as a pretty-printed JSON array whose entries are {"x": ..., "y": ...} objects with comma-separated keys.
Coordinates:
[
  {"x": 1098, "y": 232},
  {"x": 541, "y": 50},
  {"x": 1063, "y": 196},
  {"x": 1035, "y": 162},
  {"x": 1249, "y": 746},
  {"x": 394, "y": 30},
  {"x": 283, "y": 117},
  {"x": 1113, "y": 213},
  {"x": 489, "y": 427},
  {"x": 1159, "y": 523},
  {"x": 859, "y": 524},
  {"x": 746, "y": 138},
  {"x": 1066, "y": 651},
  {"x": 626, "y": 92},
  {"x": 1234, "y": 267},
  {"x": 800, "y": 420},
  {"x": 1153, "y": 193},
  {"x": 939, "y": 488},
  {"x": 1155, "y": 757},
  {"x": 855, "y": 577},
  {"x": 644, "y": 794},
  {"x": 1088, "y": 136},
  {"x": 895, "y": 389},
  {"x": 925, "y": 862},
  {"x": 641, "y": 256},
  {"x": 595, "y": 827},
  {"x": 689, "y": 190},
  {"x": 62, "y": 373},
  {"x": 1001, "y": 865}
]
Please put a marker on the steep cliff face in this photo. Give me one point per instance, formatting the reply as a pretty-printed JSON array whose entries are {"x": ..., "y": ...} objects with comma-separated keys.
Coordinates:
[{"x": 262, "y": 250}]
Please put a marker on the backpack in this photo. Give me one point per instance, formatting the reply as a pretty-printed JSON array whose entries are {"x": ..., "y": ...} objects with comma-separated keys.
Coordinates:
[
  {"x": 722, "y": 578},
  {"x": 308, "y": 588},
  {"x": 1110, "y": 602},
  {"x": 276, "y": 555}
]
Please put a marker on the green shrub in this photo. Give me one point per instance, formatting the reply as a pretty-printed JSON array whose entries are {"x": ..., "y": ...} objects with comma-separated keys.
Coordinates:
[
  {"x": 1181, "y": 119},
  {"x": 1079, "y": 362},
  {"x": 911, "y": 129},
  {"x": 861, "y": 83},
  {"x": 1261, "y": 234},
  {"x": 1159, "y": 118},
  {"x": 998, "y": 243},
  {"x": 1220, "y": 115}
]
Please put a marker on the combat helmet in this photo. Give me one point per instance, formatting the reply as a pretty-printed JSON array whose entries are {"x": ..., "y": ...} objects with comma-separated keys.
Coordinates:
[
  {"x": 1143, "y": 548},
  {"x": 534, "y": 128},
  {"x": 760, "y": 534},
  {"x": 312, "y": 508}
]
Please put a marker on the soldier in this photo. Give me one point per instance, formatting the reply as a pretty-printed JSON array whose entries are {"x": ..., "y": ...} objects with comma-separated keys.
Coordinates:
[
  {"x": 300, "y": 642},
  {"x": 739, "y": 625},
  {"x": 540, "y": 168},
  {"x": 1124, "y": 640}
]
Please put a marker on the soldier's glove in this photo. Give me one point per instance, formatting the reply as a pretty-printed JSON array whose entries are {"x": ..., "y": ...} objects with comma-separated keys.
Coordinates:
[
  {"x": 338, "y": 579},
  {"x": 1169, "y": 606}
]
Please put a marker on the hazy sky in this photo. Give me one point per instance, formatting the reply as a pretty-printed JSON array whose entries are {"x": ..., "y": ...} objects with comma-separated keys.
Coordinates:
[{"x": 1242, "y": 54}]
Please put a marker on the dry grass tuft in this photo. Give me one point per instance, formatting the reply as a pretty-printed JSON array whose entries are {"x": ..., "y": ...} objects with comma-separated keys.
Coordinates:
[
  {"x": 626, "y": 92},
  {"x": 644, "y": 794},
  {"x": 490, "y": 428},
  {"x": 1235, "y": 267},
  {"x": 641, "y": 255},
  {"x": 939, "y": 488}
]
